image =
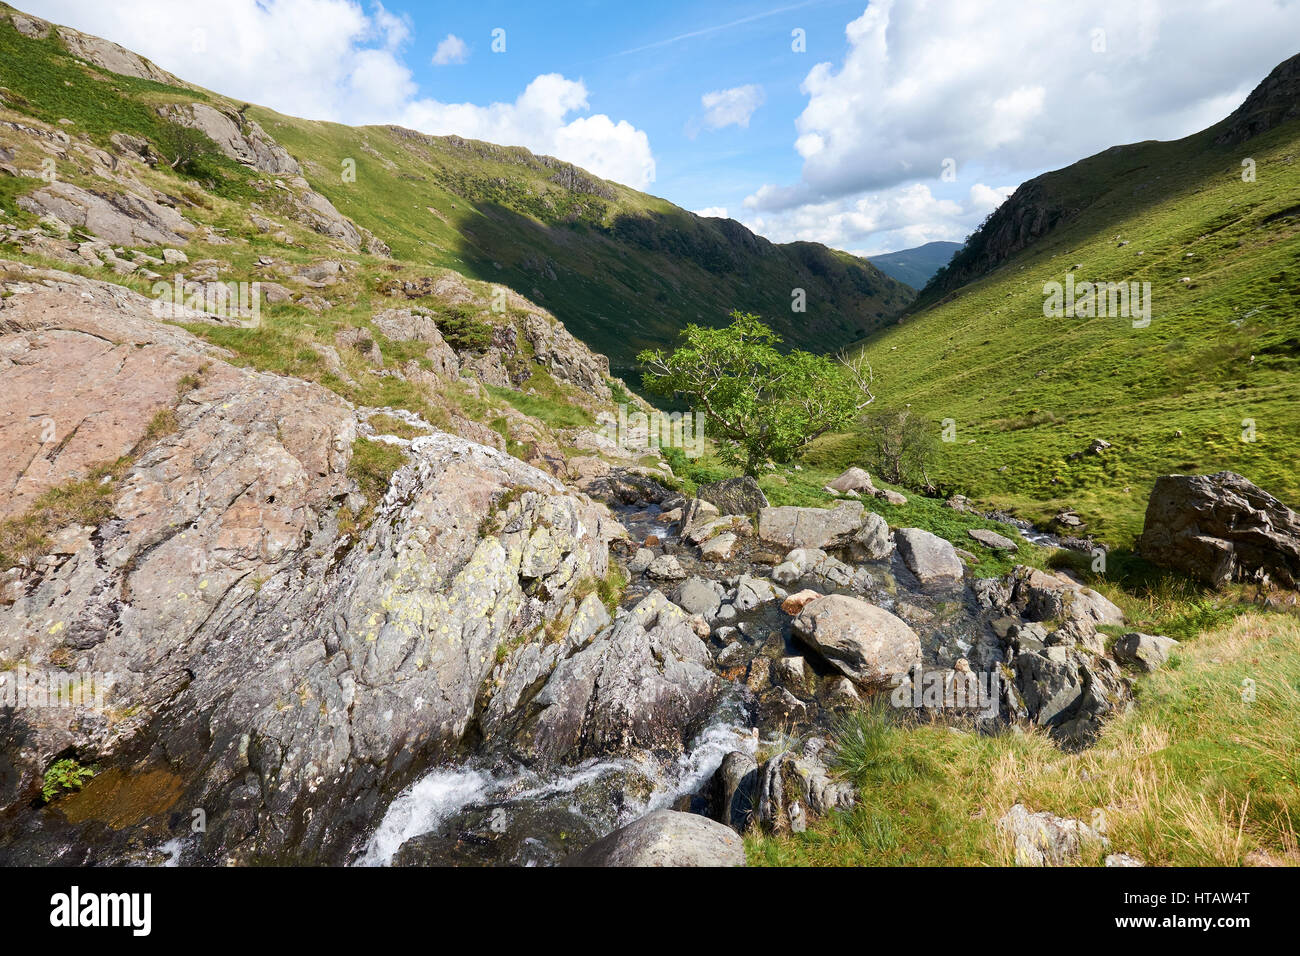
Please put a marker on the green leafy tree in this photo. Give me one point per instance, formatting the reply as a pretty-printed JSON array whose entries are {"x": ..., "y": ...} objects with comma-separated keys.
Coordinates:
[{"x": 759, "y": 403}]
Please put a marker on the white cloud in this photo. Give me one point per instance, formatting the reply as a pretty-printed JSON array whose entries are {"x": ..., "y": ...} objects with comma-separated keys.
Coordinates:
[
  {"x": 712, "y": 212},
  {"x": 870, "y": 223},
  {"x": 1007, "y": 94},
  {"x": 451, "y": 49},
  {"x": 331, "y": 60},
  {"x": 731, "y": 107},
  {"x": 925, "y": 82}
]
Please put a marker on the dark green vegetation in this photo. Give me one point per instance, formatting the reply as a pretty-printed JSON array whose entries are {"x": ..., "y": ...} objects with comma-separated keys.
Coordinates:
[
  {"x": 915, "y": 266},
  {"x": 760, "y": 404}
]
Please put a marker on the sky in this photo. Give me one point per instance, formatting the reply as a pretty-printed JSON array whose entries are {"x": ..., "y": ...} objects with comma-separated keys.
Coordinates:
[{"x": 870, "y": 128}]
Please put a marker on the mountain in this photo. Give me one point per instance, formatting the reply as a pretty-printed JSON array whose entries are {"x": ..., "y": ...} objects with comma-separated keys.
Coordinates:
[
  {"x": 915, "y": 266},
  {"x": 1211, "y": 222},
  {"x": 622, "y": 269}
]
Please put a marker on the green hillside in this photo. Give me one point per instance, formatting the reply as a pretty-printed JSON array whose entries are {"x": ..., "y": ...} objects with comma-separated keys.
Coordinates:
[{"x": 1026, "y": 391}]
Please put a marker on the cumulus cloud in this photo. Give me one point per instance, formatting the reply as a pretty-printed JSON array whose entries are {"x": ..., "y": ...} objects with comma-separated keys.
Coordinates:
[
  {"x": 333, "y": 60},
  {"x": 538, "y": 119},
  {"x": 871, "y": 223},
  {"x": 451, "y": 49},
  {"x": 731, "y": 107},
  {"x": 925, "y": 82},
  {"x": 712, "y": 212}
]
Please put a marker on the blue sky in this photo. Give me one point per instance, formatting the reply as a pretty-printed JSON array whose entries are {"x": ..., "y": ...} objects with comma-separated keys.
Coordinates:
[{"x": 902, "y": 121}]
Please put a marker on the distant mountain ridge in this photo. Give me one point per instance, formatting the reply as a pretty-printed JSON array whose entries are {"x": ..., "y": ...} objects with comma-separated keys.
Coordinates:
[{"x": 915, "y": 266}]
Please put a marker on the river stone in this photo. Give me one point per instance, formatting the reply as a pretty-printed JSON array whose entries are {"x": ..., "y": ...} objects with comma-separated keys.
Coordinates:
[
  {"x": 792, "y": 527},
  {"x": 751, "y": 592},
  {"x": 931, "y": 558},
  {"x": 871, "y": 541},
  {"x": 1147, "y": 651},
  {"x": 1220, "y": 527},
  {"x": 734, "y": 496},
  {"x": 666, "y": 567},
  {"x": 853, "y": 479},
  {"x": 665, "y": 838},
  {"x": 698, "y": 595},
  {"x": 798, "y": 601},
  {"x": 696, "y": 514},
  {"x": 991, "y": 539},
  {"x": 862, "y": 641},
  {"x": 720, "y": 548}
]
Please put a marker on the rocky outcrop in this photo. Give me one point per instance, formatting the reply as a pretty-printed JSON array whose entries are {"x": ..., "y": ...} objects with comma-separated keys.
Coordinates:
[
  {"x": 120, "y": 218},
  {"x": 1219, "y": 528},
  {"x": 795, "y": 787},
  {"x": 1275, "y": 101},
  {"x": 643, "y": 682},
  {"x": 237, "y": 136},
  {"x": 1043, "y": 596},
  {"x": 665, "y": 838},
  {"x": 567, "y": 359},
  {"x": 228, "y": 556},
  {"x": 102, "y": 53},
  {"x": 864, "y": 642},
  {"x": 1149, "y": 652}
]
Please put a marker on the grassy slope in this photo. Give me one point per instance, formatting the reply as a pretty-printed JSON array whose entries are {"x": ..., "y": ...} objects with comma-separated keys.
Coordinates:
[
  {"x": 1194, "y": 776},
  {"x": 1026, "y": 390},
  {"x": 623, "y": 270}
]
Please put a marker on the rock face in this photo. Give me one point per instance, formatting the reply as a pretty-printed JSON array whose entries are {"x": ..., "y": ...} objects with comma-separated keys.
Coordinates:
[
  {"x": 643, "y": 682},
  {"x": 665, "y": 838},
  {"x": 734, "y": 496},
  {"x": 239, "y": 137},
  {"x": 862, "y": 641},
  {"x": 290, "y": 673},
  {"x": 932, "y": 559},
  {"x": 120, "y": 218},
  {"x": 1220, "y": 527}
]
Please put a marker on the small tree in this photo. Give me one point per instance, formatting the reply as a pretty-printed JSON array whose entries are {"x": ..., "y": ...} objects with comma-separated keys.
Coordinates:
[
  {"x": 900, "y": 445},
  {"x": 759, "y": 403},
  {"x": 181, "y": 146}
]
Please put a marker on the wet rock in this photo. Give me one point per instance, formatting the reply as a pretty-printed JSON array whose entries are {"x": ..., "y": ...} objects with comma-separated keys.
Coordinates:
[
  {"x": 1221, "y": 527},
  {"x": 698, "y": 595},
  {"x": 932, "y": 559},
  {"x": 751, "y": 592},
  {"x": 643, "y": 558},
  {"x": 778, "y": 707},
  {"x": 734, "y": 496},
  {"x": 735, "y": 790},
  {"x": 862, "y": 641},
  {"x": 798, "y": 601},
  {"x": 665, "y": 838},
  {"x": 792, "y": 673},
  {"x": 1150, "y": 652},
  {"x": 1044, "y": 839}
]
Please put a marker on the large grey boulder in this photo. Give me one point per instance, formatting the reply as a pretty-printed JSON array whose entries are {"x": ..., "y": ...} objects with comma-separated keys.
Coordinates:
[
  {"x": 1043, "y": 596},
  {"x": 734, "y": 496},
  {"x": 862, "y": 641},
  {"x": 1069, "y": 691},
  {"x": 792, "y": 527},
  {"x": 931, "y": 558},
  {"x": 1218, "y": 528},
  {"x": 853, "y": 479},
  {"x": 644, "y": 682},
  {"x": 665, "y": 838}
]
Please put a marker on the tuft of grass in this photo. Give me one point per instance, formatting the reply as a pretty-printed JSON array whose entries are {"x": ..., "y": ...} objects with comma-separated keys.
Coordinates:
[
  {"x": 85, "y": 501},
  {"x": 372, "y": 466}
]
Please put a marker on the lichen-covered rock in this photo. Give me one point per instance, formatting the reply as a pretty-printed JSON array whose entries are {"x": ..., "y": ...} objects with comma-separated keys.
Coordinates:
[
  {"x": 122, "y": 218},
  {"x": 1148, "y": 651},
  {"x": 1043, "y": 596},
  {"x": 791, "y": 527},
  {"x": 1044, "y": 839}
]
